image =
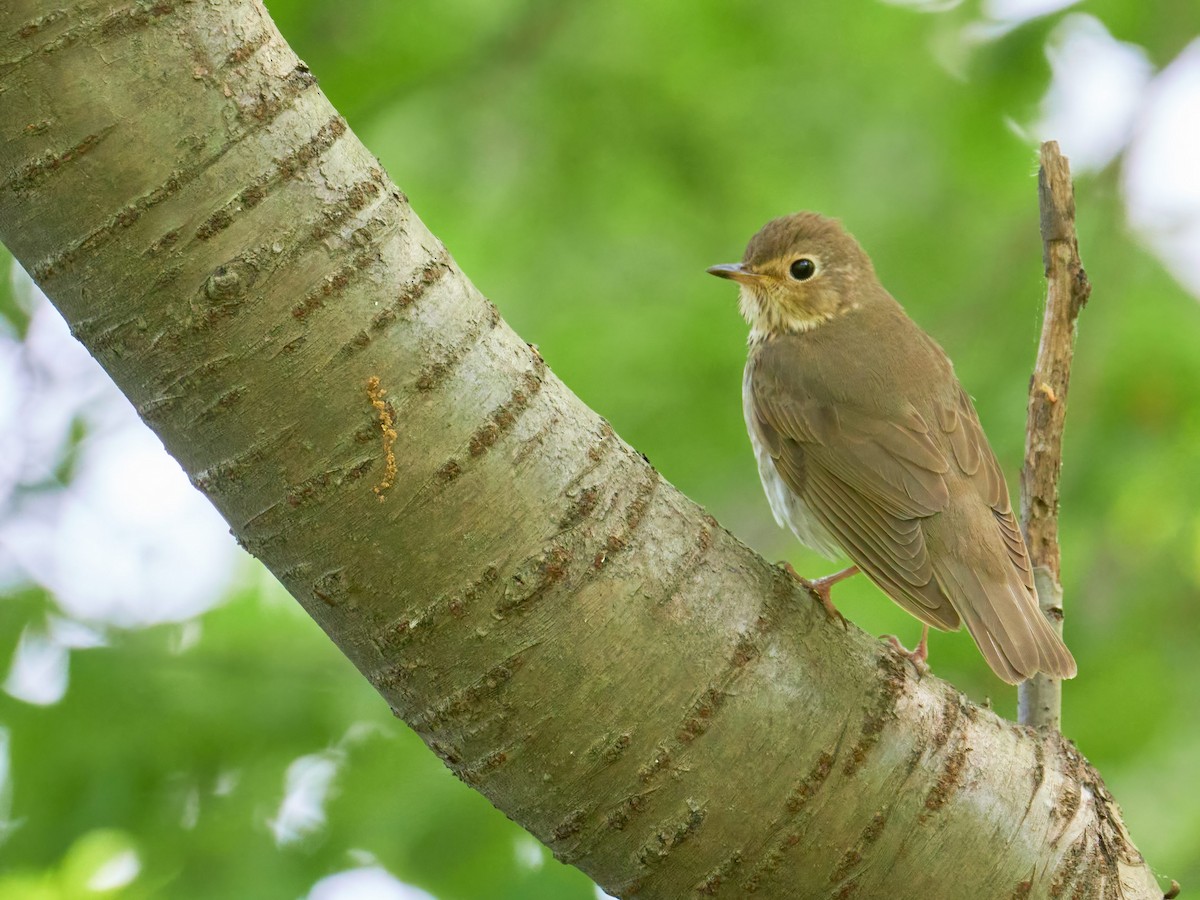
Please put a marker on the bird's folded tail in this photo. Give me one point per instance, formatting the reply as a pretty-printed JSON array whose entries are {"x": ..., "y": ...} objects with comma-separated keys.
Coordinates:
[{"x": 1012, "y": 633}]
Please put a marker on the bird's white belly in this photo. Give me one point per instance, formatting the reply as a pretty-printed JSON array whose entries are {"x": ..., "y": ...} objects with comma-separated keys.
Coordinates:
[{"x": 789, "y": 509}]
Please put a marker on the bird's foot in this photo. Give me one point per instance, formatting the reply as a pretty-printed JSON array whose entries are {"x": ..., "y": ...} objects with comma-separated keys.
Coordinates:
[
  {"x": 918, "y": 657},
  {"x": 820, "y": 588}
]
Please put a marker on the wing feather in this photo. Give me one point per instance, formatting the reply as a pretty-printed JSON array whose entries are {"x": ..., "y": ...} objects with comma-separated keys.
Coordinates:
[
  {"x": 891, "y": 552},
  {"x": 868, "y": 484},
  {"x": 975, "y": 459}
]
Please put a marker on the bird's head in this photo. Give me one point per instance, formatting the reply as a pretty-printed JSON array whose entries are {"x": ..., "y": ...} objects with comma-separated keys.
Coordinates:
[{"x": 798, "y": 272}]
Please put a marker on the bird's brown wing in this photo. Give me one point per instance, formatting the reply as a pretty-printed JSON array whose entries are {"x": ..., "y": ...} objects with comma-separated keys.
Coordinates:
[
  {"x": 975, "y": 459},
  {"x": 868, "y": 479}
]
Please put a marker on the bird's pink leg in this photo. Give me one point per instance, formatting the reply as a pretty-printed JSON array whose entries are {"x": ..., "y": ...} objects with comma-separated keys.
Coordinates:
[
  {"x": 819, "y": 587},
  {"x": 918, "y": 657}
]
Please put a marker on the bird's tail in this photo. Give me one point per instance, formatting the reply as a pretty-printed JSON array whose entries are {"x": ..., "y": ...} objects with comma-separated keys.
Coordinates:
[{"x": 1004, "y": 619}]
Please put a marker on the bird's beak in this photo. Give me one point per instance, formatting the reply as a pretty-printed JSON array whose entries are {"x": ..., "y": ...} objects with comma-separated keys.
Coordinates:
[{"x": 735, "y": 272}]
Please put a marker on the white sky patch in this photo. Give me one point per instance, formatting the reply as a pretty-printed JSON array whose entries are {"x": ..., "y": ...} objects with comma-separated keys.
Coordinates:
[
  {"x": 40, "y": 668},
  {"x": 529, "y": 853},
  {"x": 1017, "y": 12},
  {"x": 369, "y": 883},
  {"x": 185, "y": 637},
  {"x": 50, "y": 380},
  {"x": 308, "y": 786},
  {"x": 997, "y": 19},
  {"x": 38, "y": 673},
  {"x": 926, "y": 6},
  {"x": 600, "y": 895},
  {"x": 191, "y": 809},
  {"x": 75, "y": 635},
  {"x": 1096, "y": 88},
  {"x": 116, "y": 872},
  {"x": 227, "y": 782},
  {"x": 129, "y": 541},
  {"x": 362, "y": 858},
  {"x": 10, "y": 378},
  {"x": 7, "y": 825},
  {"x": 136, "y": 544},
  {"x": 1161, "y": 175}
]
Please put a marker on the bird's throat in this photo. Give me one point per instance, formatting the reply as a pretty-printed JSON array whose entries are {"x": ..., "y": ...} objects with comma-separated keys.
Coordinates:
[{"x": 768, "y": 318}]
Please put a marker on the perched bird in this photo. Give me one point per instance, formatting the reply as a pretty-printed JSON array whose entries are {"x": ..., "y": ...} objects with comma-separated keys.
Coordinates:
[{"x": 867, "y": 444}]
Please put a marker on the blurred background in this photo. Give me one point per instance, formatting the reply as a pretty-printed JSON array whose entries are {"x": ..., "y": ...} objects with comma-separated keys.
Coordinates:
[{"x": 171, "y": 724}]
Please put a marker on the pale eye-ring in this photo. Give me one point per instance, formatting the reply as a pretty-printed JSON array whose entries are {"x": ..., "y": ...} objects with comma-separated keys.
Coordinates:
[{"x": 803, "y": 269}]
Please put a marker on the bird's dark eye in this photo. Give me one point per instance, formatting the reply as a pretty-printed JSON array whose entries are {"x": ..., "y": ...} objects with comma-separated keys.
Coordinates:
[{"x": 803, "y": 269}]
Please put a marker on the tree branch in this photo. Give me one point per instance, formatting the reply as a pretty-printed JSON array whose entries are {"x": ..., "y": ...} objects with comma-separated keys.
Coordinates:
[
  {"x": 572, "y": 636},
  {"x": 1039, "y": 700}
]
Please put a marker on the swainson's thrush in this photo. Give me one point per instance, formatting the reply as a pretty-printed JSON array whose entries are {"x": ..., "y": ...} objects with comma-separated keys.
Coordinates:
[{"x": 867, "y": 444}]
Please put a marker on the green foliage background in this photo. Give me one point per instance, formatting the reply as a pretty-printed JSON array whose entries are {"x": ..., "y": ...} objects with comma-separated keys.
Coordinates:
[{"x": 585, "y": 163}]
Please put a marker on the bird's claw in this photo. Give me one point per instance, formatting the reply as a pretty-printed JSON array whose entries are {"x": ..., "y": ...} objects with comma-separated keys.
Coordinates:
[
  {"x": 819, "y": 588},
  {"x": 918, "y": 657}
]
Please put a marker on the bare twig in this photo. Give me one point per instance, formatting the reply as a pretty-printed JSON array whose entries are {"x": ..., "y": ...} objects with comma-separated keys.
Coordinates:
[{"x": 1039, "y": 700}]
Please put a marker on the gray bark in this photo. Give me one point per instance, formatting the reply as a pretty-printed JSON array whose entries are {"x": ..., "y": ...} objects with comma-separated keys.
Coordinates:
[
  {"x": 570, "y": 634},
  {"x": 1039, "y": 700}
]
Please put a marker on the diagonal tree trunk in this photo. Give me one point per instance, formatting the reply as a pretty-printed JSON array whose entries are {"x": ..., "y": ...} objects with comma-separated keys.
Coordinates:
[{"x": 571, "y": 635}]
